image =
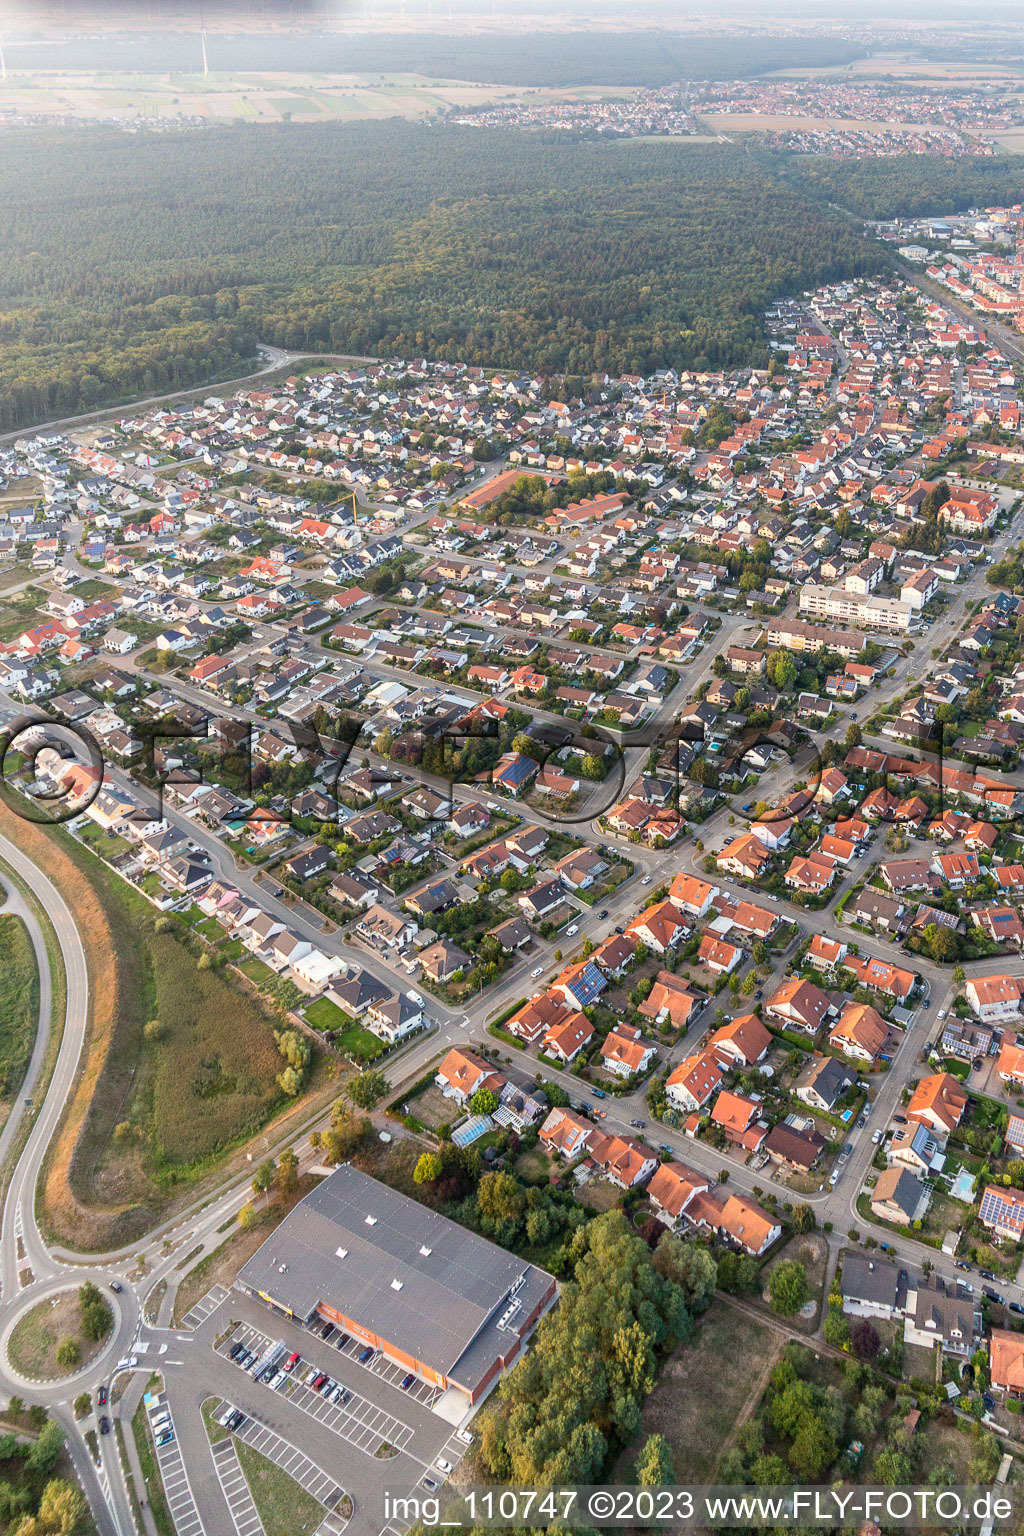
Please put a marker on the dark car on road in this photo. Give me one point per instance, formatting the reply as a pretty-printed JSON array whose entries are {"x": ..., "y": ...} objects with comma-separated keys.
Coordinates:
[
  {"x": 104, "y": 1425},
  {"x": 101, "y": 1396}
]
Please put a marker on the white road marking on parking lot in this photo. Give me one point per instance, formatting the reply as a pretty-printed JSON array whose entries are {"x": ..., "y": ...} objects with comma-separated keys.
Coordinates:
[
  {"x": 363, "y": 1424},
  {"x": 319, "y": 1484},
  {"x": 177, "y": 1488},
  {"x": 236, "y": 1490}
]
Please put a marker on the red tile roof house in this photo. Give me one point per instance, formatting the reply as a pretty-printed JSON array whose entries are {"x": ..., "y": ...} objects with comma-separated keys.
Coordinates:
[
  {"x": 736, "y": 1115},
  {"x": 690, "y": 895},
  {"x": 536, "y": 1016},
  {"x": 801, "y": 1003},
  {"x": 622, "y": 1160},
  {"x": 461, "y": 1074},
  {"x": 860, "y": 1033},
  {"x": 825, "y": 953},
  {"x": 564, "y": 1041},
  {"x": 719, "y": 955},
  {"x": 745, "y": 856},
  {"x": 938, "y": 1102},
  {"x": 995, "y": 997},
  {"x": 672, "y": 1188},
  {"x": 811, "y": 875},
  {"x": 671, "y": 998},
  {"x": 694, "y": 1081},
  {"x": 625, "y": 1052},
  {"x": 565, "y": 1133},
  {"x": 742, "y": 1042},
  {"x": 660, "y": 927}
]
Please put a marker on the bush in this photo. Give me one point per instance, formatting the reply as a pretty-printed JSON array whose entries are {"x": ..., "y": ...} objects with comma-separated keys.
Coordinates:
[{"x": 68, "y": 1354}]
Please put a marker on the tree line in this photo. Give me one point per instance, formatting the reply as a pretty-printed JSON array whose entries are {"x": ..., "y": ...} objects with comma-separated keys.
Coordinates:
[{"x": 135, "y": 265}]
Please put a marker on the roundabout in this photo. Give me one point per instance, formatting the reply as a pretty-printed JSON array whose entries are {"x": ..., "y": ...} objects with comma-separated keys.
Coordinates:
[{"x": 53, "y": 1338}]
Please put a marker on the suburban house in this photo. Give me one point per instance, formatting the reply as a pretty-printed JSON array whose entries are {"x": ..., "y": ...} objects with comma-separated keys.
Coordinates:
[
  {"x": 625, "y": 1052},
  {"x": 860, "y": 1033},
  {"x": 565, "y": 1133},
  {"x": 461, "y": 1074},
  {"x": 671, "y": 1189},
  {"x": 694, "y": 1081},
  {"x": 742, "y": 1042},
  {"x": 872, "y": 1287},
  {"x": 938, "y": 1102},
  {"x": 899, "y": 1197},
  {"x": 565, "y": 1040},
  {"x": 800, "y": 1003}
]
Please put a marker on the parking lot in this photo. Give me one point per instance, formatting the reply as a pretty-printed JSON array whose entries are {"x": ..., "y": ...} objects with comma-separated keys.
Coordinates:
[
  {"x": 204, "y": 1306},
  {"x": 317, "y": 1483},
  {"x": 354, "y": 1418},
  {"x": 177, "y": 1489},
  {"x": 244, "y": 1513}
]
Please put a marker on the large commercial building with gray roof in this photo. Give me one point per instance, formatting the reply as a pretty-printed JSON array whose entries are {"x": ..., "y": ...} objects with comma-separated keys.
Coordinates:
[{"x": 429, "y": 1294}]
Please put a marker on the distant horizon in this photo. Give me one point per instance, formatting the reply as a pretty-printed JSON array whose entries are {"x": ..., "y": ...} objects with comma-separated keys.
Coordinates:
[{"x": 21, "y": 21}]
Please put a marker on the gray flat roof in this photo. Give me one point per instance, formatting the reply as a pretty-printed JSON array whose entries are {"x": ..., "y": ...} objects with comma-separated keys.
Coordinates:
[{"x": 406, "y": 1273}]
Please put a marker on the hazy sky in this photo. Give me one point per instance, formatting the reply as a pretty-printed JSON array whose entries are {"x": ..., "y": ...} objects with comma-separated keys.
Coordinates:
[{"x": 80, "y": 15}]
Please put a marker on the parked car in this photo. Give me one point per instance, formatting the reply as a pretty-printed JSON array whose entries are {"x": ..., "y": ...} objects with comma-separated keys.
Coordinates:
[
  {"x": 537, "y": 971},
  {"x": 989, "y": 1401},
  {"x": 236, "y": 1350},
  {"x": 166, "y": 1437},
  {"x": 407, "y": 1381},
  {"x": 876, "y": 1136},
  {"x": 603, "y": 912},
  {"x": 1015, "y": 1306},
  {"x": 341, "y": 1341},
  {"x": 572, "y": 930},
  {"x": 292, "y": 1361},
  {"x": 986, "y": 1274},
  {"x": 326, "y": 1330},
  {"x": 365, "y": 1354},
  {"x": 318, "y": 1381},
  {"x": 599, "y": 1093},
  {"x": 445, "y": 1466},
  {"x": 961, "y": 1264},
  {"x": 992, "y": 1295}
]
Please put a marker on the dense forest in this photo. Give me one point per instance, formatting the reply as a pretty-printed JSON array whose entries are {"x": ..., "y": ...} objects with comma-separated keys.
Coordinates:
[
  {"x": 134, "y": 265},
  {"x": 648, "y": 58},
  {"x": 911, "y": 186}
]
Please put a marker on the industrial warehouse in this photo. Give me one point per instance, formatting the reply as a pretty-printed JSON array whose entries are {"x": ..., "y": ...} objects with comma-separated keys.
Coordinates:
[{"x": 428, "y": 1294}]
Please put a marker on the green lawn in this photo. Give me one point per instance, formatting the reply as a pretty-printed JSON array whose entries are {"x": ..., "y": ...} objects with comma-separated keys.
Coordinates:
[
  {"x": 323, "y": 1014},
  {"x": 151, "y": 1474},
  {"x": 258, "y": 973},
  {"x": 19, "y": 1002},
  {"x": 360, "y": 1043},
  {"x": 284, "y": 1507}
]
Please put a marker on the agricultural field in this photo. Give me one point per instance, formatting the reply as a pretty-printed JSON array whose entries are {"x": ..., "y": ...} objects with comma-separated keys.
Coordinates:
[{"x": 312, "y": 97}]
